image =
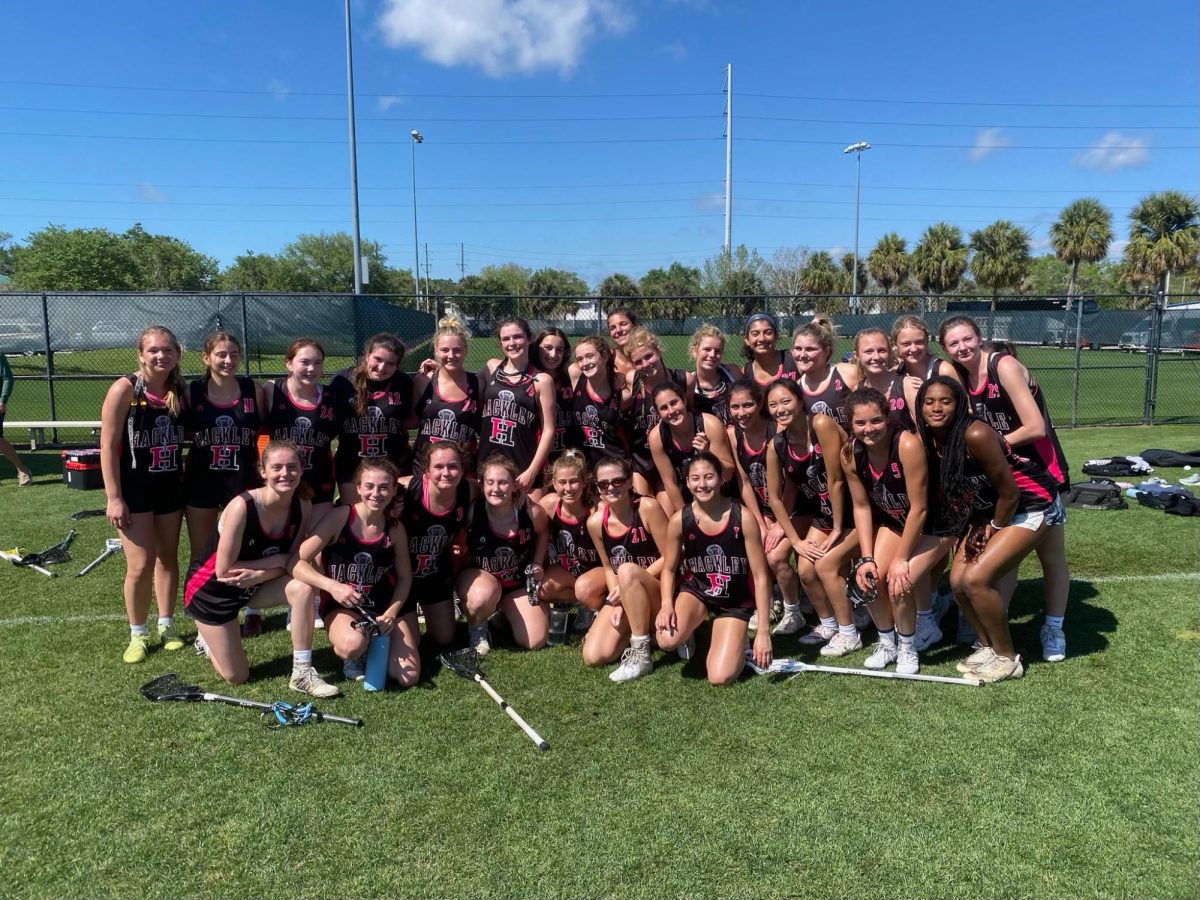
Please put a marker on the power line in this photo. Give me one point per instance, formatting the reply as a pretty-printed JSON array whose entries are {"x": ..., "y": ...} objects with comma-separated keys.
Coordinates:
[
  {"x": 974, "y": 102},
  {"x": 762, "y": 140},
  {"x": 309, "y": 142}
]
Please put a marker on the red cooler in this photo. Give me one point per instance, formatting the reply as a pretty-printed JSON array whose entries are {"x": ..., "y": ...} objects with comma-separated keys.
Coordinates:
[{"x": 81, "y": 469}]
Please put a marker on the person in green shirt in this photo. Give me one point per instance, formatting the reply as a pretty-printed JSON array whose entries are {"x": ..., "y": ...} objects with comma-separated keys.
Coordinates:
[{"x": 24, "y": 476}]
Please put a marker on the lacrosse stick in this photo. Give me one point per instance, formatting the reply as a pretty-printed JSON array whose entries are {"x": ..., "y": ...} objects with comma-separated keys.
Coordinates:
[
  {"x": 795, "y": 667},
  {"x": 86, "y": 514},
  {"x": 56, "y": 554},
  {"x": 366, "y": 623},
  {"x": 14, "y": 556},
  {"x": 111, "y": 546},
  {"x": 465, "y": 662},
  {"x": 169, "y": 687}
]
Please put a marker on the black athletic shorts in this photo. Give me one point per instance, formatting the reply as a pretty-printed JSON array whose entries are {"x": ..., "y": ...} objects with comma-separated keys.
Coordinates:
[
  {"x": 213, "y": 490},
  {"x": 158, "y": 494},
  {"x": 213, "y": 609},
  {"x": 719, "y": 611}
]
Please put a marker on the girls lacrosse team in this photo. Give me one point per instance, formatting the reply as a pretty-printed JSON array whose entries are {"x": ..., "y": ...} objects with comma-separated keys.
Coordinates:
[{"x": 655, "y": 503}]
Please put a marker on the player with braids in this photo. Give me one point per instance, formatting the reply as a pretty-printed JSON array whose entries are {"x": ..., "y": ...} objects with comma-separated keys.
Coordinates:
[
  {"x": 826, "y": 384},
  {"x": 374, "y": 403},
  {"x": 1005, "y": 395},
  {"x": 224, "y": 411},
  {"x": 448, "y": 406},
  {"x": 575, "y": 576},
  {"x": 997, "y": 501},
  {"x": 364, "y": 560},
  {"x": 519, "y": 408},
  {"x": 552, "y": 356},
  {"x": 141, "y": 444},
  {"x": 600, "y": 401},
  {"x": 710, "y": 380}
]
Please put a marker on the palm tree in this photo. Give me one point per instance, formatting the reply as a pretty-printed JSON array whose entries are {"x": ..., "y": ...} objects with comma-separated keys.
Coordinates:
[
  {"x": 820, "y": 274},
  {"x": 889, "y": 261},
  {"x": 1164, "y": 236},
  {"x": 939, "y": 259},
  {"x": 618, "y": 285},
  {"x": 1081, "y": 234},
  {"x": 999, "y": 256}
]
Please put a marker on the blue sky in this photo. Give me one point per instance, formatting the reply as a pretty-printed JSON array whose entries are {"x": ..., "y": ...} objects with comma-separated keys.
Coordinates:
[{"x": 587, "y": 134}]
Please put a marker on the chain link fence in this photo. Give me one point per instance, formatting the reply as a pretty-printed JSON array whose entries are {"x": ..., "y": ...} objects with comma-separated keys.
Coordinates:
[{"x": 1100, "y": 360}]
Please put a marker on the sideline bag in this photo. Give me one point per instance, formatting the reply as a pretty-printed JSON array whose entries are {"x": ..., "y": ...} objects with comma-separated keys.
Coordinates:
[
  {"x": 1096, "y": 493},
  {"x": 1119, "y": 466},
  {"x": 1177, "y": 503},
  {"x": 1171, "y": 458}
]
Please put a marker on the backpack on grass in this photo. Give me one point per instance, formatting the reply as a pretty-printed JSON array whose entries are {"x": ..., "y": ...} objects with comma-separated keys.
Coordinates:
[
  {"x": 1171, "y": 458},
  {"x": 1096, "y": 493},
  {"x": 1120, "y": 466},
  {"x": 1175, "y": 502}
]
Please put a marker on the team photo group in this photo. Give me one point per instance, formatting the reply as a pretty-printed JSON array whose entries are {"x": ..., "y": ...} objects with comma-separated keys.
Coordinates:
[{"x": 787, "y": 493}]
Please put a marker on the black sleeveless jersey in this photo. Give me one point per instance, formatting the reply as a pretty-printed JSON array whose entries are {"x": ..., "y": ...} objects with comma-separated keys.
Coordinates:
[
  {"x": 990, "y": 402},
  {"x": 312, "y": 428},
  {"x": 223, "y": 458},
  {"x": 598, "y": 423},
  {"x": 571, "y": 543},
  {"x": 379, "y": 432},
  {"x": 714, "y": 401},
  {"x": 643, "y": 417},
  {"x": 635, "y": 545},
  {"x": 807, "y": 472},
  {"x": 512, "y": 417},
  {"x": 565, "y": 433},
  {"x": 830, "y": 400},
  {"x": 1036, "y": 489},
  {"x": 680, "y": 456},
  {"x": 448, "y": 420},
  {"x": 257, "y": 543},
  {"x": 754, "y": 464},
  {"x": 431, "y": 536},
  {"x": 786, "y": 371},
  {"x": 886, "y": 489},
  {"x": 153, "y": 440},
  {"x": 504, "y": 555},
  {"x": 932, "y": 366},
  {"x": 368, "y": 565},
  {"x": 715, "y": 566}
]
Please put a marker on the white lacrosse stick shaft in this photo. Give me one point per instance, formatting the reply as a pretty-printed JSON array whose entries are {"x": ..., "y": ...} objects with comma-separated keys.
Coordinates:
[{"x": 512, "y": 714}]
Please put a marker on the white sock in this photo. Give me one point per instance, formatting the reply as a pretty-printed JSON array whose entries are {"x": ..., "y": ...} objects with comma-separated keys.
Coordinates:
[
  {"x": 1055, "y": 621},
  {"x": 887, "y": 637},
  {"x": 925, "y": 615},
  {"x": 301, "y": 659},
  {"x": 139, "y": 629},
  {"x": 831, "y": 622},
  {"x": 639, "y": 640},
  {"x": 906, "y": 640},
  {"x": 792, "y": 606},
  {"x": 165, "y": 622},
  {"x": 850, "y": 630}
]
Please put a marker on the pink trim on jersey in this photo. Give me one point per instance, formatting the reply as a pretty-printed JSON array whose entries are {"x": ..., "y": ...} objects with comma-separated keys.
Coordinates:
[
  {"x": 302, "y": 404},
  {"x": 1027, "y": 485},
  {"x": 358, "y": 536},
  {"x": 199, "y": 579}
]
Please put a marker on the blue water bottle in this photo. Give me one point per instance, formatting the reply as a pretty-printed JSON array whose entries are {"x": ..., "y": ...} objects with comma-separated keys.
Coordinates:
[{"x": 377, "y": 661}]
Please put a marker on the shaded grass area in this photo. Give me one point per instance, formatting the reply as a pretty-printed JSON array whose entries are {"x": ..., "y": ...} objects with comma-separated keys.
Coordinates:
[
  {"x": 1111, "y": 385},
  {"x": 1079, "y": 780}
]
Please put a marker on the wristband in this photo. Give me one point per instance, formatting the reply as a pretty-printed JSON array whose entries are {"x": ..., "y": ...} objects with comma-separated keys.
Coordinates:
[
  {"x": 865, "y": 559},
  {"x": 995, "y": 527}
]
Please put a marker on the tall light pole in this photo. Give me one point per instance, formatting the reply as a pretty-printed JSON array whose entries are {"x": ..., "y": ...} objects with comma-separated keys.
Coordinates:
[
  {"x": 416, "y": 139},
  {"x": 728, "y": 156},
  {"x": 857, "y": 150},
  {"x": 357, "y": 250}
]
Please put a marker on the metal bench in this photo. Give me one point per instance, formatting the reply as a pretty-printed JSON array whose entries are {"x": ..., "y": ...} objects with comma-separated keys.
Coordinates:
[{"x": 37, "y": 430}]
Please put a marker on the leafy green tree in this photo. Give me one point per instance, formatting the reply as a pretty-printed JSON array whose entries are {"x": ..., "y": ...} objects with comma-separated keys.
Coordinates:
[
  {"x": 1164, "y": 236},
  {"x": 253, "y": 272},
  {"x": 845, "y": 284},
  {"x": 6, "y": 253},
  {"x": 736, "y": 280},
  {"x": 324, "y": 264},
  {"x": 820, "y": 274},
  {"x": 677, "y": 280},
  {"x": 76, "y": 259},
  {"x": 1081, "y": 234},
  {"x": 551, "y": 291},
  {"x": 168, "y": 264},
  {"x": 939, "y": 259},
  {"x": 1049, "y": 276},
  {"x": 889, "y": 261},
  {"x": 493, "y": 292},
  {"x": 618, "y": 285},
  {"x": 999, "y": 256}
]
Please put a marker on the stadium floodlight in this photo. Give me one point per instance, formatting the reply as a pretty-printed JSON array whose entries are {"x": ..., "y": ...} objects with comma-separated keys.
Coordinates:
[
  {"x": 416, "y": 139},
  {"x": 857, "y": 150}
]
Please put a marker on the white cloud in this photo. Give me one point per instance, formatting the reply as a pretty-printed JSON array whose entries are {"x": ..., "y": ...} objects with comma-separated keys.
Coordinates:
[
  {"x": 987, "y": 142},
  {"x": 707, "y": 202},
  {"x": 1116, "y": 250},
  {"x": 149, "y": 193},
  {"x": 674, "y": 51},
  {"x": 501, "y": 37},
  {"x": 278, "y": 88},
  {"x": 386, "y": 103},
  {"x": 1112, "y": 152}
]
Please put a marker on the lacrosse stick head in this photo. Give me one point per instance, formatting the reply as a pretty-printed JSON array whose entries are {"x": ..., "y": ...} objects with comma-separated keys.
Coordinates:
[
  {"x": 365, "y": 623},
  {"x": 464, "y": 662},
  {"x": 857, "y": 596},
  {"x": 169, "y": 687},
  {"x": 113, "y": 545}
]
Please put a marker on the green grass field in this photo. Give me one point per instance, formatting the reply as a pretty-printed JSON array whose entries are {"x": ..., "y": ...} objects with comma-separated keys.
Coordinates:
[
  {"x": 1111, "y": 386},
  {"x": 1079, "y": 780}
]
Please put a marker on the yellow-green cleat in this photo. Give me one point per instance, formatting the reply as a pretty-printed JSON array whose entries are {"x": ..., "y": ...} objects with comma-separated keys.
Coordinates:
[
  {"x": 170, "y": 639},
  {"x": 136, "y": 651}
]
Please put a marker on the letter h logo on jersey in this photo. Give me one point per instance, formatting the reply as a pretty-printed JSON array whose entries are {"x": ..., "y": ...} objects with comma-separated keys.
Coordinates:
[
  {"x": 370, "y": 446},
  {"x": 225, "y": 457},
  {"x": 718, "y": 584},
  {"x": 164, "y": 458},
  {"x": 502, "y": 432}
]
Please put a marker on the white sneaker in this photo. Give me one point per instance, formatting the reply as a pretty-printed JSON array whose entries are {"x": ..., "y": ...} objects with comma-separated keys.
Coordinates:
[
  {"x": 687, "y": 649},
  {"x": 819, "y": 635},
  {"x": 480, "y": 639},
  {"x": 884, "y": 655},
  {"x": 791, "y": 622},
  {"x": 635, "y": 662},
  {"x": 907, "y": 661},
  {"x": 1054, "y": 644},
  {"x": 306, "y": 680},
  {"x": 201, "y": 647},
  {"x": 354, "y": 669},
  {"x": 841, "y": 644},
  {"x": 981, "y": 657},
  {"x": 927, "y": 634},
  {"x": 999, "y": 668}
]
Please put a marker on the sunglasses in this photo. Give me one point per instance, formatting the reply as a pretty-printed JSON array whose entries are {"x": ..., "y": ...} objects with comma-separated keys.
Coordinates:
[{"x": 614, "y": 484}]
